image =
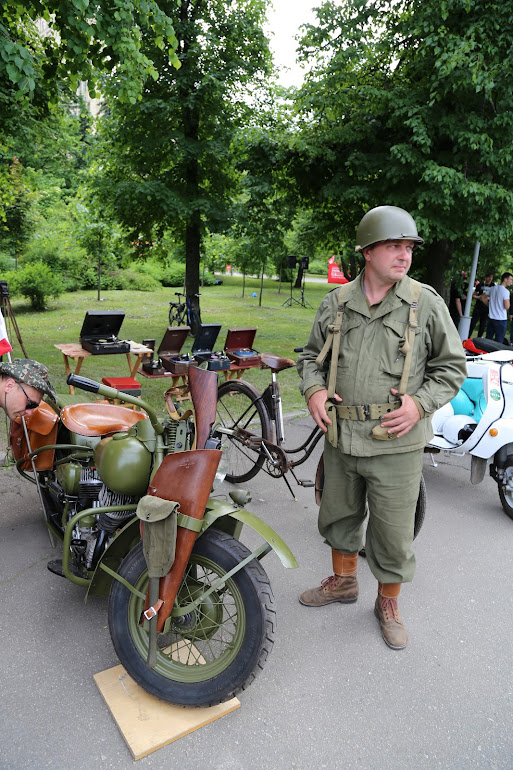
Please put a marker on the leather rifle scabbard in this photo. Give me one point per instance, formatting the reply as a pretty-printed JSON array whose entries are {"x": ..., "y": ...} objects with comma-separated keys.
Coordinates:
[
  {"x": 187, "y": 478},
  {"x": 203, "y": 388}
]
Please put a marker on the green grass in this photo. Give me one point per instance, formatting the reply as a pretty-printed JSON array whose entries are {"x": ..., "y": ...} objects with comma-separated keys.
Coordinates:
[{"x": 279, "y": 329}]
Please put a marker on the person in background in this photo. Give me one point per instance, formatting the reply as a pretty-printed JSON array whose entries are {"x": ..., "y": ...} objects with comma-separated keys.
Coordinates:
[
  {"x": 480, "y": 312},
  {"x": 498, "y": 306},
  {"x": 457, "y": 297}
]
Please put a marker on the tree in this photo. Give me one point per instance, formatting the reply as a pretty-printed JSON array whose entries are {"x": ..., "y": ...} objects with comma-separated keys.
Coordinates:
[
  {"x": 167, "y": 163},
  {"x": 410, "y": 104},
  {"x": 79, "y": 40},
  {"x": 47, "y": 46}
]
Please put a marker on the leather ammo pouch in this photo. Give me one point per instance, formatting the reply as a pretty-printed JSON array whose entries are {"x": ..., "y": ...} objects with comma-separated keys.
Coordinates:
[{"x": 42, "y": 428}]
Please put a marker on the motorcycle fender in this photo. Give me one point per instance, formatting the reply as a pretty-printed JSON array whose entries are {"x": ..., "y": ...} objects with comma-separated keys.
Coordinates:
[
  {"x": 121, "y": 545},
  {"x": 488, "y": 445},
  {"x": 216, "y": 510},
  {"x": 130, "y": 535}
]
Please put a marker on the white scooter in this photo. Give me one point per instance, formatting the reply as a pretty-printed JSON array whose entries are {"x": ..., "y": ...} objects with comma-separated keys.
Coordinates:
[{"x": 479, "y": 422}]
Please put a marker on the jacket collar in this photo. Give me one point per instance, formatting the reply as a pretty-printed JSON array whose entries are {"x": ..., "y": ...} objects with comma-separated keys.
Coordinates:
[{"x": 401, "y": 291}]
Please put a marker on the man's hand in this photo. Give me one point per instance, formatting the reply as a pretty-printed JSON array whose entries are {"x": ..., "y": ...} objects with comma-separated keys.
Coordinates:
[
  {"x": 317, "y": 408},
  {"x": 401, "y": 420}
]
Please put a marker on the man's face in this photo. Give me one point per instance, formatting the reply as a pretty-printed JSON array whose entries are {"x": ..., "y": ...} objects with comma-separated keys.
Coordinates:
[
  {"x": 389, "y": 261},
  {"x": 17, "y": 398},
  {"x": 488, "y": 279},
  {"x": 509, "y": 281}
]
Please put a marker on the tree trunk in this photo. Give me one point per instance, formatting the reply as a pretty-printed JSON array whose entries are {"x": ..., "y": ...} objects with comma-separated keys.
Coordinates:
[
  {"x": 299, "y": 278},
  {"x": 193, "y": 220},
  {"x": 437, "y": 257},
  {"x": 261, "y": 285}
]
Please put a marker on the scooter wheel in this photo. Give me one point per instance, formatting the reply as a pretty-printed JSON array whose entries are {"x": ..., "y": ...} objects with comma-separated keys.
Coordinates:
[
  {"x": 505, "y": 495},
  {"x": 216, "y": 650}
]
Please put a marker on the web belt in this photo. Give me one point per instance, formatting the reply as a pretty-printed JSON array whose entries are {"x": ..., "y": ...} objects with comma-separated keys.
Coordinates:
[{"x": 365, "y": 411}]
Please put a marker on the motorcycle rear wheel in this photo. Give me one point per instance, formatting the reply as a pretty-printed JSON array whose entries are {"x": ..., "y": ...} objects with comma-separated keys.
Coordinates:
[{"x": 214, "y": 652}]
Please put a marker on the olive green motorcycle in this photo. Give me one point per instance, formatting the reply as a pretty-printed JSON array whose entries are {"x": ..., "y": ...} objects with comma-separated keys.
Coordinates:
[{"x": 191, "y": 609}]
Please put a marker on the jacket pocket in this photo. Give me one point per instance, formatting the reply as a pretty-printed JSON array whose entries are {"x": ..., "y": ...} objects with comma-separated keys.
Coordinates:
[
  {"x": 392, "y": 359},
  {"x": 350, "y": 342}
]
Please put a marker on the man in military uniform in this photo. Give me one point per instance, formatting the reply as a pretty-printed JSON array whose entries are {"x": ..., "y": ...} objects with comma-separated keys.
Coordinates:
[
  {"x": 23, "y": 383},
  {"x": 399, "y": 359}
]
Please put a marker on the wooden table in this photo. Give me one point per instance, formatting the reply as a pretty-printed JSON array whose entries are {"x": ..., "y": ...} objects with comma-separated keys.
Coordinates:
[{"x": 75, "y": 352}]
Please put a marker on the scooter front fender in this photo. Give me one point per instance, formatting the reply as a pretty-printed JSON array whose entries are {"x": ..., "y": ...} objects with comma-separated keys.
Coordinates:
[{"x": 489, "y": 445}]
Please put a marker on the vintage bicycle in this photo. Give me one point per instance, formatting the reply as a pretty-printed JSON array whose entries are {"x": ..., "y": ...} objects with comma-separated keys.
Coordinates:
[
  {"x": 185, "y": 313},
  {"x": 250, "y": 426}
]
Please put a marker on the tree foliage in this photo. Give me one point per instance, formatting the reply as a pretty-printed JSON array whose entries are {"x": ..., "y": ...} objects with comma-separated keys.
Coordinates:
[
  {"x": 410, "y": 103},
  {"x": 166, "y": 164},
  {"x": 47, "y": 46},
  {"x": 80, "y": 39}
]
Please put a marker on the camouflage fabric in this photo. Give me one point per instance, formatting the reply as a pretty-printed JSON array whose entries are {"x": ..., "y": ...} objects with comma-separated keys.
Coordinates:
[{"x": 31, "y": 373}]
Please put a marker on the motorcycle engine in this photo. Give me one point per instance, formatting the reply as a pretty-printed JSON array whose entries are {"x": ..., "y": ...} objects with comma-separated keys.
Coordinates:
[{"x": 76, "y": 486}]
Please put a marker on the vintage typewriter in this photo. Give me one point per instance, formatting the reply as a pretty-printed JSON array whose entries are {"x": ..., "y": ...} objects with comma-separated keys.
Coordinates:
[{"x": 99, "y": 333}]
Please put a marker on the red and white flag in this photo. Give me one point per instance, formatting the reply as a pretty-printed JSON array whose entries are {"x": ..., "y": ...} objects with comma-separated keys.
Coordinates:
[{"x": 5, "y": 345}]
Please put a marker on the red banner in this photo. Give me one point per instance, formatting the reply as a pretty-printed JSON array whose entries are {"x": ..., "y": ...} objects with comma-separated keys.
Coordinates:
[{"x": 335, "y": 274}]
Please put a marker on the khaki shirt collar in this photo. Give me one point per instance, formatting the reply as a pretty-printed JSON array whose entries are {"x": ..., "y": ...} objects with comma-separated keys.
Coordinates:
[{"x": 401, "y": 291}]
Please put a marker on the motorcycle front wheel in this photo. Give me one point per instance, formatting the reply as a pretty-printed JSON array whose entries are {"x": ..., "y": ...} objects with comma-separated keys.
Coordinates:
[{"x": 213, "y": 652}]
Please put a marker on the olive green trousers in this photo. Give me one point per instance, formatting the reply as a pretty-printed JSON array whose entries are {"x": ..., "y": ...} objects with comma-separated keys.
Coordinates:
[{"x": 390, "y": 484}]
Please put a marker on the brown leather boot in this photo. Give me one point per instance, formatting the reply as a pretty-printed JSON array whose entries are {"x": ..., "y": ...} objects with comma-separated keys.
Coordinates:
[
  {"x": 387, "y": 612},
  {"x": 340, "y": 587}
]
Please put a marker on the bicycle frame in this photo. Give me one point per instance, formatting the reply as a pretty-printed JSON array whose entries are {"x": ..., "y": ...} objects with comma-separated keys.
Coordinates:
[
  {"x": 185, "y": 312},
  {"x": 279, "y": 458}
]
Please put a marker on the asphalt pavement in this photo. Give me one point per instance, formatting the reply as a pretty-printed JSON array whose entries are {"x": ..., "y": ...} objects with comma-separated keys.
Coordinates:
[{"x": 331, "y": 695}]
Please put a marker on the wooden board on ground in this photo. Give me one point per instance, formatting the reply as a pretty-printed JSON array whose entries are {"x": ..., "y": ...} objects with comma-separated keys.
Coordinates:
[{"x": 147, "y": 723}]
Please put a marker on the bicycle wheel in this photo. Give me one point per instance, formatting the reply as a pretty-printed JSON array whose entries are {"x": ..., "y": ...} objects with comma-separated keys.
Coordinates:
[
  {"x": 175, "y": 315},
  {"x": 240, "y": 410}
]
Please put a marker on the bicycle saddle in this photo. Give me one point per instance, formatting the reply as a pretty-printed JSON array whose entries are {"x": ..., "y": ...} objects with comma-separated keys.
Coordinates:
[
  {"x": 276, "y": 363},
  {"x": 95, "y": 419}
]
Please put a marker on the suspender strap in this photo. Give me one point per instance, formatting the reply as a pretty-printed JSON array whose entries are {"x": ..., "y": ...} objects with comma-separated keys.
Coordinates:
[
  {"x": 333, "y": 341},
  {"x": 409, "y": 341}
]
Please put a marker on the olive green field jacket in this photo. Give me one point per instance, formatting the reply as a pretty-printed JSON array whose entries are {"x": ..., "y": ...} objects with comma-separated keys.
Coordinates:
[{"x": 370, "y": 361}]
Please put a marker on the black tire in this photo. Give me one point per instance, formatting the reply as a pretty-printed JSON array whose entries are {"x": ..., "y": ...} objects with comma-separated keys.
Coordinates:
[
  {"x": 215, "y": 652},
  {"x": 506, "y": 497},
  {"x": 175, "y": 317},
  {"x": 240, "y": 409},
  {"x": 420, "y": 510}
]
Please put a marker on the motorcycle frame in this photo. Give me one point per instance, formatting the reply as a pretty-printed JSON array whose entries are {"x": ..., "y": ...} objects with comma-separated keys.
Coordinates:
[{"x": 215, "y": 516}]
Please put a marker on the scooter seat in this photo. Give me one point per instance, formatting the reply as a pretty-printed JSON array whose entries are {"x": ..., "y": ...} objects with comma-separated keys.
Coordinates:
[{"x": 95, "y": 419}]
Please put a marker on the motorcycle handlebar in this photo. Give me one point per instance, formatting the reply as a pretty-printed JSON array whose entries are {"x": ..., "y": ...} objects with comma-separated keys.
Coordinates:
[{"x": 83, "y": 383}]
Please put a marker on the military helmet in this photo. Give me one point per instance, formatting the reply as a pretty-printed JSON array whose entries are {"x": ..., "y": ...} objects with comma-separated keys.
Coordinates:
[{"x": 386, "y": 223}]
